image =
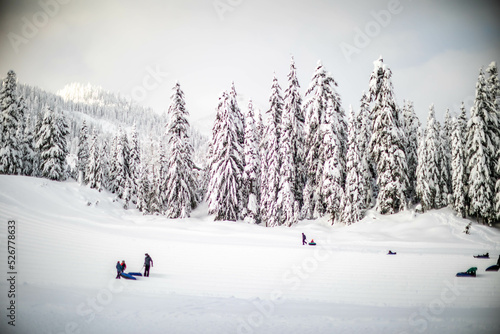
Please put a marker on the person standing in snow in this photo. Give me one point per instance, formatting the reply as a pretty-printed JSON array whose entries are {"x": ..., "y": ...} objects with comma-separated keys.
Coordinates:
[
  {"x": 118, "y": 269},
  {"x": 124, "y": 266},
  {"x": 148, "y": 261},
  {"x": 498, "y": 261},
  {"x": 304, "y": 241}
]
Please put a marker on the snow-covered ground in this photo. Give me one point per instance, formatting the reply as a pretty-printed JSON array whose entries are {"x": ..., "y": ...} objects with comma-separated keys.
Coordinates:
[{"x": 227, "y": 277}]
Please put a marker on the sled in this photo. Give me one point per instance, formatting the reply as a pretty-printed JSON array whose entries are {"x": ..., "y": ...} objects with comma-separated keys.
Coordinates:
[
  {"x": 135, "y": 274},
  {"x": 471, "y": 272},
  {"x": 494, "y": 267},
  {"x": 127, "y": 276},
  {"x": 312, "y": 244},
  {"x": 484, "y": 256}
]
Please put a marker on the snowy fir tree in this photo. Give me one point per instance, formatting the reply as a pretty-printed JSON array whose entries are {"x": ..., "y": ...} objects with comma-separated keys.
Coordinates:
[
  {"x": 494, "y": 123},
  {"x": 135, "y": 161},
  {"x": 121, "y": 169},
  {"x": 323, "y": 117},
  {"x": 387, "y": 142},
  {"x": 428, "y": 175},
  {"x": 93, "y": 172},
  {"x": 497, "y": 192},
  {"x": 143, "y": 192},
  {"x": 52, "y": 144},
  {"x": 83, "y": 152},
  {"x": 27, "y": 146},
  {"x": 226, "y": 168},
  {"x": 293, "y": 109},
  {"x": 239, "y": 120},
  {"x": 159, "y": 185},
  {"x": 270, "y": 160},
  {"x": 104, "y": 164},
  {"x": 412, "y": 125},
  {"x": 287, "y": 173},
  {"x": 356, "y": 182},
  {"x": 251, "y": 172},
  {"x": 10, "y": 120},
  {"x": 458, "y": 166},
  {"x": 181, "y": 186},
  {"x": 479, "y": 147},
  {"x": 444, "y": 168},
  {"x": 364, "y": 125}
]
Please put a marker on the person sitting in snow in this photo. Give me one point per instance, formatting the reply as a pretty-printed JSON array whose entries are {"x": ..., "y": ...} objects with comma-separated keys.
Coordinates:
[
  {"x": 118, "y": 269},
  {"x": 148, "y": 261},
  {"x": 124, "y": 266},
  {"x": 304, "y": 242}
]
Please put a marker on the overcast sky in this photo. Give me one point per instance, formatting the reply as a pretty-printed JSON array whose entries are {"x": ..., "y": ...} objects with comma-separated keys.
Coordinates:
[{"x": 141, "y": 48}]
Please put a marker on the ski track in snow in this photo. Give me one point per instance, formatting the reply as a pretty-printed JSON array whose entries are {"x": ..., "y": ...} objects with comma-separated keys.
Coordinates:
[{"x": 227, "y": 277}]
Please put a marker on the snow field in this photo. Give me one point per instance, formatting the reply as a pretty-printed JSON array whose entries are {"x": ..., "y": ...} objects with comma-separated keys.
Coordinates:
[{"x": 226, "y": 277}]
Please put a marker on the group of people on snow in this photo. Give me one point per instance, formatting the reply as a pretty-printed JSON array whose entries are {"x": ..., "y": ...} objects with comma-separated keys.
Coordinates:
[{"x": 148, "y": 263}]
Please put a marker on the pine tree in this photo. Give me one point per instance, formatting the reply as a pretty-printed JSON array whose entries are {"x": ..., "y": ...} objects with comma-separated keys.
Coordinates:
[
  {"x": 251, "y": 173},
  {"x": 387, "y": 144},
  {"x": 458, "y": 166},
  {"x": 412, "y": 125},
  {"x": 497, "y": 191},
  {"x": 143, "y": 192},
  {"x": 93, "y": 169},
  {"x": 224, "y": 187},
  {"x": 356, "y": 182},
  {"x": 52, "y": 144},
  {"x": 122, "y": 168},
  {"x": 494, "y": 128},
  {"x": 28, "y": 150},
  {"x": 324, "y": 117},
  {"x": 365, "y": 125},
  {"x": 271, "y": 159},
  {"x": 181, "y": 185},
  {"x": 444, "y": 168},
  {"x": 10, "y": 120},
  {"x": 135, "y": 162},
  {"x": 293, "y": 110},
  {"x": 104, "y": 162},
  {"x": 83, "y": 153},
  {"x": 239, "y": 120},
  {"x": 479, "y": 146}
]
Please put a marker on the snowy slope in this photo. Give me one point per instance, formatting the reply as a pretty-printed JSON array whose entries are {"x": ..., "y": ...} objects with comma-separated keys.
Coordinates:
[{"x": 226, "y": 277}]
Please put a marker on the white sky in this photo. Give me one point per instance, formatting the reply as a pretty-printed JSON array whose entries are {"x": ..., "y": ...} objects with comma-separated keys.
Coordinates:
[{"x": 434, "y": 48}]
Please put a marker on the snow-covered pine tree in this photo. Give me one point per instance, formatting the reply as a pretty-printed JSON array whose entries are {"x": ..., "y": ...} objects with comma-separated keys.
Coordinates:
[
  {"x": 323, "y": 115},
  {"x": 494, "y": 122},
  {"x": 444, "y": 169},
  {"x": 332, "y": 158},
  {"x": 10, "y": 155},
  {"x": 104, "y": 162},
  {"x": 364, "y": 125},
  {"x": 478, "y": 147},
  {"x": 412, "y": 125},
  {"x": 135, "y": 162},
  {"x": 143, "y": 191},
  {"x": 356, "y": 182},
  {"x": 270, "y": 160},
  {"x": 251, "y": 172},
  {"x": 25, "y": 138},
  {"x": 293, "y": 107},
  {"x": 93, "y": 170},
  {"x": 181, "y": 186},
  {"x": 83, "y": 153},
  {"x": 224, "y": 187},
  {"x": 387, "y": 143},
  {"x": 429, "y": 192},
  {"x": 497, "y": 191},
  {"x": 287, "y": 172},
  {"x": 52, "y": 144},
  {"x": 458, "y": 166},
  {"x": 122, "y": 168}
]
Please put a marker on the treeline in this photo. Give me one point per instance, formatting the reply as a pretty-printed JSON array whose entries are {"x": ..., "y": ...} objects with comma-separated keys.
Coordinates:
[{"x": 305, "y": 159}]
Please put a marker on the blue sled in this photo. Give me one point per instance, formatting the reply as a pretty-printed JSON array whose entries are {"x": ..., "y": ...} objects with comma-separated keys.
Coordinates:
[
  {"x": 465, "y": 275},
  {"x": 127, "y": 276},
  {"x": 135, "y": 274},
  {"x": 493, "y": 268}
]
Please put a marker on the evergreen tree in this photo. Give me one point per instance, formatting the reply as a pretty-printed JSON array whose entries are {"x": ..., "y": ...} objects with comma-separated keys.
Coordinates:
[
  {"x": 387, "y": 143},
  {"x": 479, "y": 146},
  {"x": 497, "y": 191},
  {"x": 181, "y": 186},
  {"x": 104, "y": 163},
  {"x": 27, "y": 146},
  {"x": 143, "y": 192},
  {"x": 324, "y": 122},
  {"x": 457, "y": 166},
  {"x": 224, "y": 187},
  {"x": 444, "y": 168},
  {"x": 251, "y": 173},
  {"x": 271, "y": 159},
  {"x": 494, "y": 123},
  {"x": 122, "y": 168},
  {"x": 135, "y": 162},
  {"x": 356, "y": 182},
  {"x": 52, "y": 144},
  {"x": 159, "y": 185},
  {"x": 365, "y": 124},
  {"x": 293, "y": 110},
  {"x": 93, "y": 171},
  {"x": 239, "y": 120},
  {"x": 83, "y": 153},
  {"x": 10, "y": 120},
  {"x": 412, "y": 125}
]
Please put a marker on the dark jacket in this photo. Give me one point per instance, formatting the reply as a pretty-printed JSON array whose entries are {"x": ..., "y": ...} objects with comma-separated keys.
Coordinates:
[
  {"x": 148, "y": 261},
  {"x": 119, "y": 267}
]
